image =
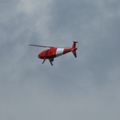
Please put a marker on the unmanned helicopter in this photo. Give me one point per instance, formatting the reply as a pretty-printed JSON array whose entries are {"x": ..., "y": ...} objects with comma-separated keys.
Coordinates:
[{"x": 52, "y": 52}]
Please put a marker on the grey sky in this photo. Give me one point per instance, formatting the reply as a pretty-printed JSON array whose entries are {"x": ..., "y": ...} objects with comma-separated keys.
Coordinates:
[{"x": 73, "y": 89}]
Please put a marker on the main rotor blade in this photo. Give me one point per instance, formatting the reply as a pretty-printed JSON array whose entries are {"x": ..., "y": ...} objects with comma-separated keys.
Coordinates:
[{"x": 40, "y": 46}]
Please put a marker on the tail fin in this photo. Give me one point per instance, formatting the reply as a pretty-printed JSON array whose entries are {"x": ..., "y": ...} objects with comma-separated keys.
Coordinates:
[
  {"x": 74, "y": 44},
  {"x": 74, "y": 48}
]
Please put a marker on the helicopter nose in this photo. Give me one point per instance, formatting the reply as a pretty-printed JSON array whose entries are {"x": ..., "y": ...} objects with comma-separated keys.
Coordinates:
[{"x": 41, "y": 56}]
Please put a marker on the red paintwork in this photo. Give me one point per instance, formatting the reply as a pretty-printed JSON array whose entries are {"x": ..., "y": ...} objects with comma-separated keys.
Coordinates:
[
  {"x": 47, "y": 54},
  {"x": 67, "y": 50}
]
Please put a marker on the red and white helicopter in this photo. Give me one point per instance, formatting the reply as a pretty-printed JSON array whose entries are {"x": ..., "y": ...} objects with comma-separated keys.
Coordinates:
[{"x": 54, "y": 52}]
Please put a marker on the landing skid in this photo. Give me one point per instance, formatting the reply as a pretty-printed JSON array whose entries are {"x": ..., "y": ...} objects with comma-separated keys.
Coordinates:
[
  {"x": 43, "y": 61},
  {"x": 51, "y": 61}
]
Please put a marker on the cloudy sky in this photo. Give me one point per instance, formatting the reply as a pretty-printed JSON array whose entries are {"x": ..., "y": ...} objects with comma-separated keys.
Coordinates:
[{"x": 84, "y": 88}]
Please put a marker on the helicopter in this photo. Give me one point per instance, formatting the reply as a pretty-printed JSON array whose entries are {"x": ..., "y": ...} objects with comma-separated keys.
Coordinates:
[{"x": 52, "y": 52}]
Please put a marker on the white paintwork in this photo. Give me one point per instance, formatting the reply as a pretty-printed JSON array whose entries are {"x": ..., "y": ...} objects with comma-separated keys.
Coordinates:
[{"x": 59, "y": 51}]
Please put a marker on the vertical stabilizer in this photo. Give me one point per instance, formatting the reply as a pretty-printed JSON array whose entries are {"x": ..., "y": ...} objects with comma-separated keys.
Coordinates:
[{"x": 74, "y": 48}]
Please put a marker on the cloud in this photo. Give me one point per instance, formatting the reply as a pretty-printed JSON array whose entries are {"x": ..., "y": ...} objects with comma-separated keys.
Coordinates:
[{"x": 82, "y": 88}]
